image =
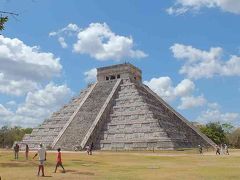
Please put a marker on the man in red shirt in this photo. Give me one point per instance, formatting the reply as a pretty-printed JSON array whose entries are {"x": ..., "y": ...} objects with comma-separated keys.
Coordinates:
[{"x": 59, "y": 161}]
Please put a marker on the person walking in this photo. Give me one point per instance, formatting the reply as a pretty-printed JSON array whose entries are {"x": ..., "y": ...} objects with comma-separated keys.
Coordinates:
[
  {"x": 221, "y": 149},
  {"x": 59, "y": 160},
  {"x": 88, "y": 149},
  {"x": 42, "y": 157},
  {"x": 16, "y": 150},
  {"x": 91, "y": 148},
  {"x": 26, "y": 151},
  {"x": 226, "y": 149}
]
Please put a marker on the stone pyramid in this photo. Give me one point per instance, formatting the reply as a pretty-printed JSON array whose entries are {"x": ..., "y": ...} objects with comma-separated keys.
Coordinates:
[{"x": 118, "y": 112}]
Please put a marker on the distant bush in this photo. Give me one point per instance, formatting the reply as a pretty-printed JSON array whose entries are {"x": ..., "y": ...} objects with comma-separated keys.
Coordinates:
[{"x": 234, "y": 138}]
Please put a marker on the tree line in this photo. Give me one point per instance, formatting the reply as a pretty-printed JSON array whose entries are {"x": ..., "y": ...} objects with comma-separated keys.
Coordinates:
[
  {"x": 8, "y": 135},
  {"x": 222, "y": 133}
]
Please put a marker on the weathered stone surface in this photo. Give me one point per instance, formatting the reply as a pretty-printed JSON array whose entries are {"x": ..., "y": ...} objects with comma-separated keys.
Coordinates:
[
  {"x": 83, "y": 120},
  {"x": 117, "y": 113},
  {"x": 51, "y": 127}
]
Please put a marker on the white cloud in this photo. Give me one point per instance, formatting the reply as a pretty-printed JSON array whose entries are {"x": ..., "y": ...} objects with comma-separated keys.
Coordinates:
[
  {"x": 16, "y": 87},
  {"x": 213, "y": 114},
  {"x": 101, "y": 43},
  {"x": 191, "y": 101},
  {"x": 23, "y": 67},
  {"x": 163, "y": 87},
  {"x": 62, "y": 42},
  {"x": 37, "y": 106},
  {"x": 98, "y": 41},
  {"x": 4, "y": 111},
  {"x": 205, "y": 64},
  {"x": 18, "y": 60},
  {"x": 184, "y": 90},
  {"x": 70, "y": 29},
  {"x": 183, "y": 6},
  {"x": 11, "y": 103},
  {"x": 23, "y": 71},
  {"x": 214, "y": 105},
  {"x": 176, "y": 11},
  {"x": 91, "y": 75}
]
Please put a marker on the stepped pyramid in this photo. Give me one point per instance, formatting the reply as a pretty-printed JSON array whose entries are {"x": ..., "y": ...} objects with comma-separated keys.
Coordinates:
[{"x": 118, "y": 112}]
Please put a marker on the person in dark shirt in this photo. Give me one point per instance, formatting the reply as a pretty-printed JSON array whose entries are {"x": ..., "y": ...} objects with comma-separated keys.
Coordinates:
[
  {"x": 16, "y": 151},
  {"x": 26, "y": 151},
  {"x": 200, "y": 149},
  {"x": 91, "y": 148}
]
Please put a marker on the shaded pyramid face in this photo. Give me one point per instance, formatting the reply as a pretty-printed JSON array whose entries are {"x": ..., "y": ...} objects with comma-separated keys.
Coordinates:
[{"x": 117, "y": 112}]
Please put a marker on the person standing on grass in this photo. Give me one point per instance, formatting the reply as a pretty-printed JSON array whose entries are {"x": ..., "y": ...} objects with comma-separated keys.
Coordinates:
[
  {"x": 42, "y": 157},
  {"x": 200, "y": 149},
  {"x": 26, "y": 151},
  {"x": 217, "y": 150},
  {"x": 16, "y": 151},
  {"x": 88, "y": 149},
  {"x": 59, "y": 161},
  {"x": 221, "y": 149},
  {"x": 91, "y": 148},
  {"x": 226, "y": 149}
]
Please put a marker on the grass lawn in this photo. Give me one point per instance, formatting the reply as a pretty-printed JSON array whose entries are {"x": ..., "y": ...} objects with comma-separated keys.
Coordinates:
[{"x": 126, "y": 165}]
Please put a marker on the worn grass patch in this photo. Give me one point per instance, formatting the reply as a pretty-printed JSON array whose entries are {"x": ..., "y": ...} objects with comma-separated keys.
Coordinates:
[{"x": 110, "y": 165}]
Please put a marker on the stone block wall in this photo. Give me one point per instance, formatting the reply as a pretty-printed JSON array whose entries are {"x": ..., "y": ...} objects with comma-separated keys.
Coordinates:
[
  {"x": 76, "y": 131},
  {"x": 139, "y": 121},
  {"x": 50, "y": 128},
  {"x": 131, "y": 124}
]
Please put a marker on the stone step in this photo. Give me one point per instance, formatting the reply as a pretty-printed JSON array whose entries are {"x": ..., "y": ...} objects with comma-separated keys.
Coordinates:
[
  {"x": 135, "y": 130},
  {"x": 162, "y": 139},
  {"x": 138, "y": 121},
  {"x": 51, "y": 127},
  {"x": 79, "y": 126},
  {"x": 137, "y": 145}
]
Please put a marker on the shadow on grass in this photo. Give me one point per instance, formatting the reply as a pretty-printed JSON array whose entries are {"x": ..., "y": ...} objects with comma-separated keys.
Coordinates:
[
  {"x": 14, "y": 165},
  {"x": 84, "y": 161},
  {"x": 78, "y": 172},
  {"x": 23, "y": 164}
]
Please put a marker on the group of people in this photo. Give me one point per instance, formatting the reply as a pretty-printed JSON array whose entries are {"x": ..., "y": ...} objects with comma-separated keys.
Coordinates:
[
  {"x": 42, "y": 155},
  {"x": 16, "y": 151},
  {"x": 89, "y": 149},
  {"x": 220, "y": 149}
]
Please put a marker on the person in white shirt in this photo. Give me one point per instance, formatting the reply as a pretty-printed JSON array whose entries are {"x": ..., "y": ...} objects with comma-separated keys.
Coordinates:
[{"x": 42, "y": 154}]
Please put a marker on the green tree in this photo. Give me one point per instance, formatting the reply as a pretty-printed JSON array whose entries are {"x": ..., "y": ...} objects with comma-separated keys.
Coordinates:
[
  {"x": 8, "y": 135},
  {"x": 228, "y": 128},
  {"x": 3, "y": 20},
  {"x": 234, "y": 138},
  {"x": 215, "y": 132}
]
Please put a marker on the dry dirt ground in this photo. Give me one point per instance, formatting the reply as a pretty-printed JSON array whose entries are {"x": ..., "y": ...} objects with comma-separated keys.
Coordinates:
[{"x": 184, "y": 165}]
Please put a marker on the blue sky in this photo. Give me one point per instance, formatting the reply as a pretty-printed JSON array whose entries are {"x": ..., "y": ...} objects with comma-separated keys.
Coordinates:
[{"x": 188, "y": 50}]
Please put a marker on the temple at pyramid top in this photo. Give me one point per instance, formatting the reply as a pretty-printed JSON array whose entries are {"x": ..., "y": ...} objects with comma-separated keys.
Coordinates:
[
  {"x": 120, "y": 71},
  {"x": 118, "y": 112}
]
